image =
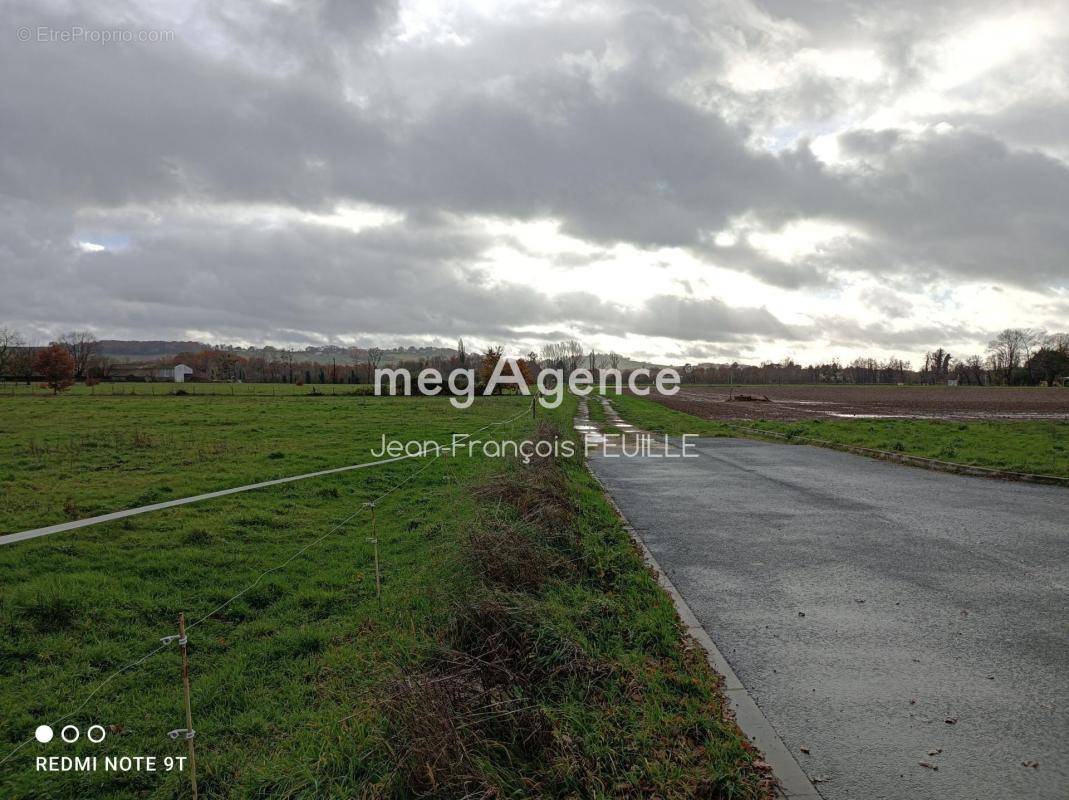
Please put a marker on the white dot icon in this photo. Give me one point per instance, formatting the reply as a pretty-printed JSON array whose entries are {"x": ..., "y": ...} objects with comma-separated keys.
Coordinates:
[{"x": 44, "y": 734}]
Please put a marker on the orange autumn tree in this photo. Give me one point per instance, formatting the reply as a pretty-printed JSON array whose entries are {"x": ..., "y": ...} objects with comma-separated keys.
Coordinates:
[
  {"x": 527, "y": 368},
  {"x": 488, "y": 365},
  {"x": 55, "y": 365}
]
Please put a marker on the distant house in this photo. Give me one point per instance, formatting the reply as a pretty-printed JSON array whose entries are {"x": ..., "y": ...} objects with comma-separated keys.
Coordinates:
[
  {"x": 181, "y": 371},
  {"x": 952, "y": 381}
]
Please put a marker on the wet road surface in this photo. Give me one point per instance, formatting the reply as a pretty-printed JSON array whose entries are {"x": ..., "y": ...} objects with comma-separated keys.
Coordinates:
[{"x": 880, "y": 615}]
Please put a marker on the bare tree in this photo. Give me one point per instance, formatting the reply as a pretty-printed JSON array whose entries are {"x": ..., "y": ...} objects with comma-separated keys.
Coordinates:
[
  {"x": 462, "y": 354},
  {"x": 970, "y": 371},
  {"x": 937, "y": 365},
  {"x": 1011, "y": 348},
  {"x": 552, "y": 355},
  {"x": 573, "y": 355},
  {"x": 373, "y": 359},
  {"x": 11, "y": 343},
  {"x": 82, "y": 347},
  {"x": 1058, "y": 342},
  {"x": 614, "y": 360},
  {"x": 22, "y": 361},
  {"x": 104, "y": 367}
]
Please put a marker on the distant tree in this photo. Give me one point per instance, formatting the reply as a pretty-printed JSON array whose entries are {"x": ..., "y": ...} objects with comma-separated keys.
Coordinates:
[
  {"x": 894, "y": 370},
  {"x": 1048, "y": 364},
  {"x": 22, "y": 361},
  {"x": 1011, "y": 348},
  {"x": 286, "y": 357},
  {"x": 614, "y": 360},
  {"x": 565, "y": 356},
  {"x": 373, "y": 358},
  {"x": 971, "y": 372},
  {"x": 573, "y": 355},
  {"x": 55, "y": 365},
  {"x": 103, "y": 367},
  {"x": 552, "y": 355},
  {"x": 864, "y": 370},
  {"x": 462, "y": 354},
  {"x": 937, "y": 365},
  {"x": 10, "y": 343},
  {"x": 82, "y": 347},
  {"x": 1057, "y": 341},
  {"x": 489, "y": 364},
  {"x": 528, "y": 369}
]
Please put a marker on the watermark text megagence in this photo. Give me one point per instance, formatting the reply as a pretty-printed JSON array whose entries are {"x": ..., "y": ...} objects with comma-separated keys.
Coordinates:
[{"x": 550, "y": 383}]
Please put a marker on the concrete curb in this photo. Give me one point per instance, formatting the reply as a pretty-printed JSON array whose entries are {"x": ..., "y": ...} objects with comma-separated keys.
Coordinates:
[
  {"x": 913, "y": 461},
  {"x": 793, "y": 782}
]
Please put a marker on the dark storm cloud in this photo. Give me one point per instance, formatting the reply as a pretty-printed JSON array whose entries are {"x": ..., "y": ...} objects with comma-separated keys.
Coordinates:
[
  {"x": 960, "y": 202},
  {"x": 706, "y": 320},
  {"x": 861, "y": 335},
  {"x": 397, "y": 280},
  {"x": 615, "y": 122}
]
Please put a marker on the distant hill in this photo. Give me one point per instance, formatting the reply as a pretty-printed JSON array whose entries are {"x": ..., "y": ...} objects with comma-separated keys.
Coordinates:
[
  {"x": 131, "y": 349},
  {"x": 149, "y": 350}
]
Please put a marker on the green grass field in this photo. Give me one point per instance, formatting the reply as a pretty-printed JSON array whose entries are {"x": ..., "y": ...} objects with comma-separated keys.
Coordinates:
[
  {"x": 76, "y": 456},
  {"x": 520, "y": 647},
  {"x": 191, "y": 389},
  {"x": 1040, "y": 447}
]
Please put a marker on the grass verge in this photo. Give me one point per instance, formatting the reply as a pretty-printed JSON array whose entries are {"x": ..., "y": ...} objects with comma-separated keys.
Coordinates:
[
  {"x": 1038, "y": 447},
  {"x": 563, "y": 671}
]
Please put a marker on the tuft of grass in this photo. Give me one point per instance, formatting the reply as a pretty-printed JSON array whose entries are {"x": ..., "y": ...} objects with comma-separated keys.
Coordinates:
[
  {"x": 504, "y": 555},
  {"x": 449, "y": 735},
  {"x": 46, "y": 606},
  {"x": 537, "y": 492}
]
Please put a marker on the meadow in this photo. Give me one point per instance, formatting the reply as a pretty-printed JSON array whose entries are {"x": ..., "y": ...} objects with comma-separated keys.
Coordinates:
[
  {"x": 519, "y": 646},
  {"x": 79, "y": 455},
  {"x": 190, "y": 389}
]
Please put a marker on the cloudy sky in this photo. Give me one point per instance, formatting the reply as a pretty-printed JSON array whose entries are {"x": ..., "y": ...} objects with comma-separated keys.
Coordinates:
[{"x": 674, "y": 180}]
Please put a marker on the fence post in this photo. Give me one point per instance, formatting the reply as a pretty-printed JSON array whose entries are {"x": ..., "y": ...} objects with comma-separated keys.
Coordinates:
[
  {"x": 375, "y": 542},
  {"x": 182, "y": 642}
]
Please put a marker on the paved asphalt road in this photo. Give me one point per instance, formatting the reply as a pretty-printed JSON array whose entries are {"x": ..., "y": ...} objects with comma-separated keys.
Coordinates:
[{"x": 926, "y": 597}]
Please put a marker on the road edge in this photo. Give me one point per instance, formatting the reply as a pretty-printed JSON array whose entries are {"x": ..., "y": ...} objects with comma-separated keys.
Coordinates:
[{"x": 792, "y": 780}]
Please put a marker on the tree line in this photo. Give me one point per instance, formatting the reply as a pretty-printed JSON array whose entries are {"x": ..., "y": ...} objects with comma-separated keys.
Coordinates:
[{"x": 1015, "y": 357}]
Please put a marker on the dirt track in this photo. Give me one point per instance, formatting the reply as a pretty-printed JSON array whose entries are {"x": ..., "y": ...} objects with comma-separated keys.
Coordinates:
[{"x": 846, "y": 402}]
